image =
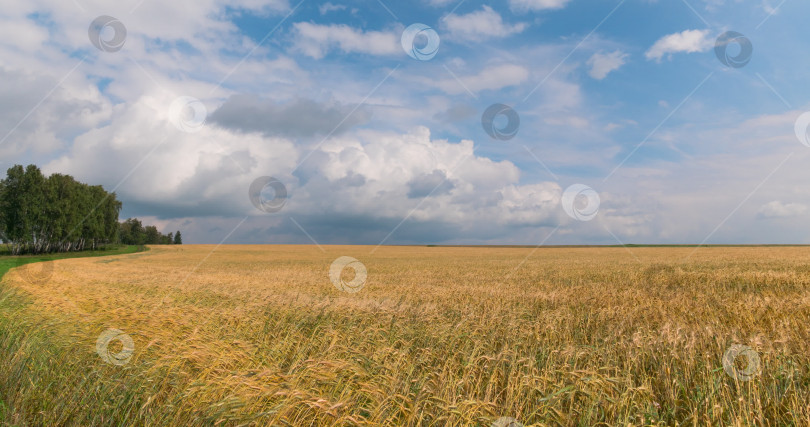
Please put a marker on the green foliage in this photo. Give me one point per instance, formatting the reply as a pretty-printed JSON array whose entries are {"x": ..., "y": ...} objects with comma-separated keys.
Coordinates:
[
  {"x": 54, "y": 214},
  {"x": 178, "y": 240},
  {"x": 132, "y": 232},
  {"x": 59, "y": 214}
]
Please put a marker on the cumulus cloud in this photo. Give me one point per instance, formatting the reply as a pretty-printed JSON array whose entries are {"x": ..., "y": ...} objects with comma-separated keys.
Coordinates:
[
  {"x": 297, "y": 118},
  {"x": 330, "y": 7},
  {"x": 480, "y": 25},
  {"x": 316, "y": 40},
  {"x": 603, "y": 63},
  {"x": 188, "y": 20},
  {"x": 434, "y": 179},
  {"x": 769, "y": 8},
  {"x": 688, "y": 41},
  {"x": 25, "y": 33},
  {"x": 534, "y": 5},
  {"x": 427, "y": 185},
  {"x": 777, "y": 209},
  {"x": 490, "y": 78},
  {"x": 736, "y": 173},
  {"x": 160, "y": 171},
  {"x": 37, "y": 114}
]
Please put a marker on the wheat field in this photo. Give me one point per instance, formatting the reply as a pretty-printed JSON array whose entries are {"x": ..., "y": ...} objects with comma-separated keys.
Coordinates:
[{"x": 259, "y": 335}]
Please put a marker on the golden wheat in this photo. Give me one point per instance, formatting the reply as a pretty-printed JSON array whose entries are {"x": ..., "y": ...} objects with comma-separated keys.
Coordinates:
[{"x": 437, "y": 336}]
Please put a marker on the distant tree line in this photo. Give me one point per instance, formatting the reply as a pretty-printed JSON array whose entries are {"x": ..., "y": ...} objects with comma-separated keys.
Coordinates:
[
  {"x": 132, "y": 232},
  {"x": 54, "y": 214},
  {"x": 59, "y": 214}
]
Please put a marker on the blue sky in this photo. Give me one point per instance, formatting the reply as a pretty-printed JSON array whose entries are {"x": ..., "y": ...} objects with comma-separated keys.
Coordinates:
[{"x": 625, "y": 98}]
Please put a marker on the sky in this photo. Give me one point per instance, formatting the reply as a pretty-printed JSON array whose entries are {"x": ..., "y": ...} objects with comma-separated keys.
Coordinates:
[{"x": 424, "y": 122}]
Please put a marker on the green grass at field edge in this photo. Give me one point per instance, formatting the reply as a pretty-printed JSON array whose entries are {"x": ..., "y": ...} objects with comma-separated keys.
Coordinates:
[{"x": 7, "y": 262}]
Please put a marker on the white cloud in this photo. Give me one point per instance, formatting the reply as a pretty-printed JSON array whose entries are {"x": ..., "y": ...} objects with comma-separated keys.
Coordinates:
[
  {"x": 196, "y": 171},
  {"x": 732, "y": 174},
  {"x": 777, "y": 209},
  {"x": 330, "y": 7},
  {"x": 534, "y": 5},
  {"x": 384, "y": 175},
  {"x": 490, "y": 78},
  {"x": 480, "y": 25},
  {"x": 603, "y": 63},
  {"x": 688, "y": 41},
  {"x": 770, "y": 9},
  {"x": 316, "y": 40},
  {"x": 188, "y": 20},
  {"x": 477, "y": 190},
  {"x": 610, "y": 127},
  {"x": 25, "y": 34},
  {"x": 34, "y": 119}
]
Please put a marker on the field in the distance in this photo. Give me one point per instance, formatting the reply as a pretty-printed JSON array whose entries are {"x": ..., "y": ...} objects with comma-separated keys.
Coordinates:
[{"x": 438, "y": 336}]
